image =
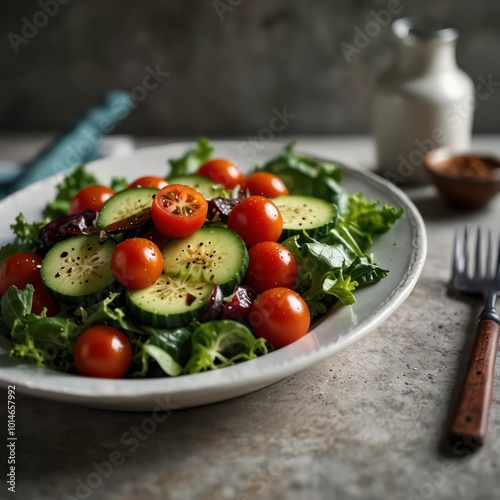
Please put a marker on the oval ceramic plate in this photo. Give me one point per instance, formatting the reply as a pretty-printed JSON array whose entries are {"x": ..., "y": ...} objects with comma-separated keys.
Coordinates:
[{"x": 402, "y": 251}]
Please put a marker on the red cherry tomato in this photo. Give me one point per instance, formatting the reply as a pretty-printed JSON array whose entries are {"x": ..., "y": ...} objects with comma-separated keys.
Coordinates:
[
  {"x": 92, "y": 197},
  {"x": 266, "y": 184},
  {"x": 280, "y": 315},
  {"x": 102, "y": 351},
  {"x": 19, "y": 270},
  {"x": 23, "y": 269},
  {"x": 149, "y": 181},
  {"x": 223, "y": 172},
  {"x": 136, "y": 263},
  {"x": 179, "y": 210},
  {"x": 256, "y": 219},
  {"x": 271, "y": 265}
]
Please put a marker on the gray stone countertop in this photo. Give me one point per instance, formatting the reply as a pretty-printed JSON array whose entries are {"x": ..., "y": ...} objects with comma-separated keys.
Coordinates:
[{"x": 367, "y": 423}]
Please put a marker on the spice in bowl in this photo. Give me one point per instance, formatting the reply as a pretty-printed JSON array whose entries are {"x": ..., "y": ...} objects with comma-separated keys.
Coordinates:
[
  {"x": 464, "y": 180},
  {"x": 470, "y": 166}
]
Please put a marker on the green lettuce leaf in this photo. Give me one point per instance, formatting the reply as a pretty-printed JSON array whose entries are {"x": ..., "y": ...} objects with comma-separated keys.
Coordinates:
[
  {"x": 304, "y": 175},
  {"x": 26, "y": 237},
  {"x": 26, "y": 233},
  {"x": 331, "y": 269},
  {"x": 16, "y": 304},
  {"x": 171, "y": 349},
  {"x": 38, "y": 339},
  {"x": 118, "y": 183},
  {"x": 365, "y": 219},
  {"x": 220, "y": 343},
  {"x": 194, "y": 158},
  {"x": 164, "y": 359}
]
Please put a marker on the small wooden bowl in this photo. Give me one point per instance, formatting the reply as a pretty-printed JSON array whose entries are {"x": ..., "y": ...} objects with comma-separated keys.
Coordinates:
[{"x": 464, "y": 180}]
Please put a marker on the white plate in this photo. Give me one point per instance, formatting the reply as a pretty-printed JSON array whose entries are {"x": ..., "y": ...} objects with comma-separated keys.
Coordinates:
[{"x": 402, "y": 250}]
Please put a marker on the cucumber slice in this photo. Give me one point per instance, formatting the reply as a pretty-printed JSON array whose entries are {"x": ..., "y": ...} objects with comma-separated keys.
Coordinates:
[
  {"x": 212, "y": 255},
  {"x": 306, "y": 213},
  {"x": 207, "y": 187},
  {"x": 124, "y": 204},
  {"x": 169, "y": 302},
  {"x": 77, "y": 270}
]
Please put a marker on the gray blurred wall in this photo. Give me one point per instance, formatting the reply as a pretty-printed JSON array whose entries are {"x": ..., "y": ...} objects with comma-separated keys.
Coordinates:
[{"x": 230, "y": 62}]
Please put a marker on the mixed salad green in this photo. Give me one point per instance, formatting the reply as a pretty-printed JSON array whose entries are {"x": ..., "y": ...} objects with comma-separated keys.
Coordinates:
[{"x": 331, "y": 266}]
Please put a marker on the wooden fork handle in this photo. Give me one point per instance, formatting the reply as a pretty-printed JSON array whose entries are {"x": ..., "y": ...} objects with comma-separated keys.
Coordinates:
[{"x": 471, "y": 417}]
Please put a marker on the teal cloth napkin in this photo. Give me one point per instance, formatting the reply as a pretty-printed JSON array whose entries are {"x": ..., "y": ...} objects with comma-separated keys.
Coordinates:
[{"x": 78, "y": 143}]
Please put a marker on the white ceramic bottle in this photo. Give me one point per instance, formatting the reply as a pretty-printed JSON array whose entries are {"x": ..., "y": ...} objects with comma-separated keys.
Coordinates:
[{"x": 423, "y": 101}]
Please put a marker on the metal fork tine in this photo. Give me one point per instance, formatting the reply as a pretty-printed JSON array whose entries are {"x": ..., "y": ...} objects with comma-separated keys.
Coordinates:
[
  {"x": 489, "y": 257},
  {"x": 465, "y": 252},
  {"x": 497, "y": 275},
  {"x": 455, "y": 264},
  {"x": 479, "y": 248}
]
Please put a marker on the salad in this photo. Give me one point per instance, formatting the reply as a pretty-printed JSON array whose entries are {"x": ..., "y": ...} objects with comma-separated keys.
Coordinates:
[{"x": 196, "y": 271}]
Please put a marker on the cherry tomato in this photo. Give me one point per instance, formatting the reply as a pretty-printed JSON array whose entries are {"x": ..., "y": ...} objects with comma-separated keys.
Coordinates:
[
  {"x": 271, "y": 265},
  {"x": 149, "y": 181},
  {"x": 256, "y": 219},
  {"x": 136, "y": 263},
  {"x": 23, "y": 269},
  {"x": 179, "y": 210},
  {"x": 92, "y": 197},
  {"x": 266, "y": 184},
  {"x": 102, "y": 351},
  {"x": 20, "y": 269},
  {"x": 280, "y": 315},
  {"x": 223, "y": 172}
]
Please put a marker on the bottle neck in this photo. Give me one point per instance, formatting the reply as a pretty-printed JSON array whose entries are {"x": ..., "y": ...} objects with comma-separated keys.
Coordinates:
[{"x": 426, "y": 57}]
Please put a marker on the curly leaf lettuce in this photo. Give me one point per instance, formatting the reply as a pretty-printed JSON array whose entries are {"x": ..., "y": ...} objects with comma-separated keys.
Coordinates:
[
  {"x": 365, "y": 219},
  {"x": 38, "y": 339},
  {"x": 220, "y": 343},
  {"x": 26, "y": 237},
  {"x": 329, "y": 272}
]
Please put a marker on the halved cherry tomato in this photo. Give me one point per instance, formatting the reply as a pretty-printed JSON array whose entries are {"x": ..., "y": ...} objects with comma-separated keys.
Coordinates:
[
  {"x": 280, "y": 315},
  {"x": 21, "y": 269},
  {"x": 271, "y": 265},
  {"x": 266, "y": 184},
  {"x": 102, "y": 351},
  {"x": 149, "y": 181},
  {"x": 179, "y": 210},
  {"x": 93, "y": 197},
  {"x": 223, "y": 172},
  {"x": 136, "y": 263},
  {"x": 256, "y": 219}
]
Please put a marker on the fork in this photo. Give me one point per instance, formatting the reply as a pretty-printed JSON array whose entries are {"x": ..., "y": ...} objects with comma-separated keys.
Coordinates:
[{"x": 471, "y": 416}]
